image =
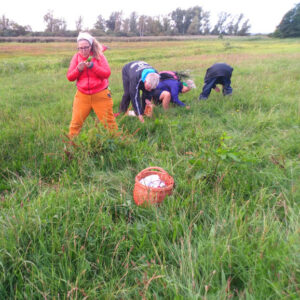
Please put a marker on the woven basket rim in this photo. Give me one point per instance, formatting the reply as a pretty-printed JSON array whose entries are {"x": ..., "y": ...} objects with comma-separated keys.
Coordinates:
[
  {"x": 157, "y": 189},
  {"x": 147, "y": 172}
]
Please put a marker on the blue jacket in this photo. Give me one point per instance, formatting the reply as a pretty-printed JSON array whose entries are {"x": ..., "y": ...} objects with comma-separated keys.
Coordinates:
[{"x": 174, "y": 87}]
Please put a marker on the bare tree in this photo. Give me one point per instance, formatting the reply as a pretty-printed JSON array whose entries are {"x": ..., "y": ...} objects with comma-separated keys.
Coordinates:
[
  {"x": 118, "y": 22},
  {"x": 237, "y": 24},
  {"x": 206, "y": 23},
  {"x": 53, "y": 24},
  {"x": 78, "y": 23},
  {"x": 133, "y": 22},
  {"x": 245, "y": 28},
  {"x": 4, "y": 23},
  {"x": 220, "y": 27},
  {"x": 166, "y": 25},
  {"x": 11, "y": 28},
  {"x": 142, "y": 25},
  {"x": 126, "y": 26}
]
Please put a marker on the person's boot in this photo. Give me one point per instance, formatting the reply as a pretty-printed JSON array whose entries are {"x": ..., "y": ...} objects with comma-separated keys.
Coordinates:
[{"x": 202, "y": 98}]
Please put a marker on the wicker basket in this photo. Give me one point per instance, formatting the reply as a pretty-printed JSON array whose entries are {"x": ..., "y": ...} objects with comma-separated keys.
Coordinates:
[
  {"x": 148, "y": 110},
  {"x": 149, "y": 195}
]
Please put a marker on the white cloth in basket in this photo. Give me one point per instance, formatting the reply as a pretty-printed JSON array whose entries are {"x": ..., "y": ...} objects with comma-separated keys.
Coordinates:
[
  {"x": 152, "y": 181},
  {"x": 131, "y": 113}
]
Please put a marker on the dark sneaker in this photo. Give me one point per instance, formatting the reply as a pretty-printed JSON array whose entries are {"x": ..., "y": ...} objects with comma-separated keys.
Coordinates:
[
  {"x": 202, "y": 98},
  {"x": 226, "y": 92}
]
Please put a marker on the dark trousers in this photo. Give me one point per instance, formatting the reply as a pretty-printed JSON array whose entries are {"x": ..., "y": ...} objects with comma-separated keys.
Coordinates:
[
  {"x": 211, "y": 84},
  {"x": 126, "y": 87}
]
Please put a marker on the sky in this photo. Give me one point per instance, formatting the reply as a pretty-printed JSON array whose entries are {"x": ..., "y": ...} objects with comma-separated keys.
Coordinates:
[{"x": 263, "y": 15}]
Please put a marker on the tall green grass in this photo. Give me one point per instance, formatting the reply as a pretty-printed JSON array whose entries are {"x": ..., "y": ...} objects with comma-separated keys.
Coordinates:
[{"x": 69, "y": 226}]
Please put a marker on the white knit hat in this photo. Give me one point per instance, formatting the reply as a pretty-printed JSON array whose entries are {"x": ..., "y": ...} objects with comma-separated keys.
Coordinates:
[{"x": 85, "y": 36}]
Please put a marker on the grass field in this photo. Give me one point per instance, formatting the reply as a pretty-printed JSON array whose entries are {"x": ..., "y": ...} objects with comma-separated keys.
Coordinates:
[{"x": 69, "y": 226}]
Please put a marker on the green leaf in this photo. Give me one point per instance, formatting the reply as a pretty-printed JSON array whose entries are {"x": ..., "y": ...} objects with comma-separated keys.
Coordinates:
[{"x": 234, "y": 157}]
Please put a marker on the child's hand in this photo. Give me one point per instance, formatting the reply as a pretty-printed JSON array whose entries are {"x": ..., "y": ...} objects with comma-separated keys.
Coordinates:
[
  {"x": 217, "y": 89},
  {"x": 89, "y": 64}
]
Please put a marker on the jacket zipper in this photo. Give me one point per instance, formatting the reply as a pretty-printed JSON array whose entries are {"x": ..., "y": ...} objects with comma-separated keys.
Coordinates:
[{"x": 87, "y": 70}]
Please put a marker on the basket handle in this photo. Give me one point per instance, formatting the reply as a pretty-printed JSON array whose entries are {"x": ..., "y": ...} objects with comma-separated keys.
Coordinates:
[{"x": 155, "y": 168}]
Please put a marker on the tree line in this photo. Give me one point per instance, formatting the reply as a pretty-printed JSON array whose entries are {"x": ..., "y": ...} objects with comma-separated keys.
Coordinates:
[{"x": 191, "y": 21}]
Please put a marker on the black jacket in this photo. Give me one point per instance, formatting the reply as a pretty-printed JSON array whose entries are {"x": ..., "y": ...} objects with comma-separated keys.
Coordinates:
[{"x": 217, "y": 70}]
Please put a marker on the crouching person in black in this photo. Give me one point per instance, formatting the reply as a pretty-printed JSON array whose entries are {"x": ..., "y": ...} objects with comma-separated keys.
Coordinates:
[
  {"x": 138, "y": 76},
  {"x": 219, "y": 73}
]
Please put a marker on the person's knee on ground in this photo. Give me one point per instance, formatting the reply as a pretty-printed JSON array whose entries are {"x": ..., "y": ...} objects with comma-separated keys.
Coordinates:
[{"x": 165, "y": 98}]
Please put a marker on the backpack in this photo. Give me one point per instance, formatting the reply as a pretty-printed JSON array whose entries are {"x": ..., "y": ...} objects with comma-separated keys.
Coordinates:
[{"x": 164, "y": 75}]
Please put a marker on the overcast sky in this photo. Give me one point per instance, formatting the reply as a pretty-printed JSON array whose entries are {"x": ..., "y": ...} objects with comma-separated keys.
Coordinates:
[{"x": 264, "y": 15}]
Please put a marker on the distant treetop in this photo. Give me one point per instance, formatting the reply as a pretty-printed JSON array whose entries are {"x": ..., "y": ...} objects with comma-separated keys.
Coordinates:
[{"x": 290, "y": 24}]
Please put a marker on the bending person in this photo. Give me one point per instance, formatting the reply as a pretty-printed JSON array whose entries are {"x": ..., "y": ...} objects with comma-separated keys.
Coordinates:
[
  {"x": 219, "y": 73},
  {"x": 168, "y": 89},
  {"x": 138, "y": 76}
]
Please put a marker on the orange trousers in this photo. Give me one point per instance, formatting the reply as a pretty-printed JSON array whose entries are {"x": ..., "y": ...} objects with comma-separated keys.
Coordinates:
[{"x": 102, "y": 105}]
